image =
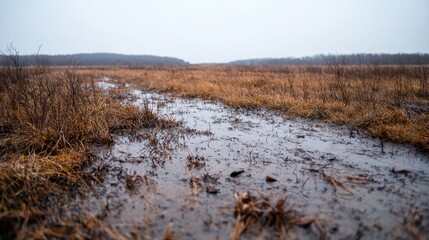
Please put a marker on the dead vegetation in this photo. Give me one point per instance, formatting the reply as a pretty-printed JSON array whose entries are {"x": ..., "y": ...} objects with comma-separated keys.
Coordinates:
[
  {"x": 194, "y": 162},
  {"x": 253, "y": 214},
  {"x": 336, "y": 182},
  {"x": 50, "y": 119},
  {"x": 412, "y": 223},
  {"x": 391, "y": 102},
  {"x": 53, "y": 115}
]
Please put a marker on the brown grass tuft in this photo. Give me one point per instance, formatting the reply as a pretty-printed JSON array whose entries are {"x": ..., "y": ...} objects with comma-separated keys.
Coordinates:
[{"x": 253, "y": 214}]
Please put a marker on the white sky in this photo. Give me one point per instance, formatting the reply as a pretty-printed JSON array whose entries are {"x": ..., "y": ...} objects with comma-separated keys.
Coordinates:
[{"x": 215, "y": 30}]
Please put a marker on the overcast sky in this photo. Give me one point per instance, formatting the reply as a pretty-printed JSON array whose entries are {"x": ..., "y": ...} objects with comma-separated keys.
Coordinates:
[{"x": 215, "y": 30}]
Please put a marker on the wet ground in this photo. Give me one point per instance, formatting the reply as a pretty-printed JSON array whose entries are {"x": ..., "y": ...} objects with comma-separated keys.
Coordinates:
[{"x": 348, "y": 184}]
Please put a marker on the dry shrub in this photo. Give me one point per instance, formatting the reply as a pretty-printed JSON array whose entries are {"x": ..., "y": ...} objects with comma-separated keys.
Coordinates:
[
  {"x": 55, "y": 110},
  {"x": 50, "y": 118}
]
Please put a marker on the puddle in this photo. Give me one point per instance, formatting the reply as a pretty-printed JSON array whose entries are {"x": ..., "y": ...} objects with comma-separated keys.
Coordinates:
[
  {"x": 356, "y": 186},
  {"x": 105, "y": 83}
]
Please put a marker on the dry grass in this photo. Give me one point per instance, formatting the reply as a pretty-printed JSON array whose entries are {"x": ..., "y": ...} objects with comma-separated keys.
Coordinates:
[
  {"x": 391, "y": 102},
  {"x": 51, "y": 116},
  {"x": 412, "y": 222},
  {"x": 254, "y": 213},
  {"x": 50, "y": 119},
  {"x": 194, "y": 162}
]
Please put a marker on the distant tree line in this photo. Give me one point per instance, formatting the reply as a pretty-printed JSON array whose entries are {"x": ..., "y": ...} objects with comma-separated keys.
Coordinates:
[
  {"x": 344, "y": 59},
  {"x": 111, "y": 59},
  {"x": 96, "y": 59}
]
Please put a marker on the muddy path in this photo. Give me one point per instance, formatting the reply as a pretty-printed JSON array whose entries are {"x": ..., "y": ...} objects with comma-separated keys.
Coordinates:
[{"x": 345, "y": 183}]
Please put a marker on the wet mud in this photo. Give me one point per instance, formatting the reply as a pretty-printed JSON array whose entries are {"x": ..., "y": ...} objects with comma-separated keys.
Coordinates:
[{"x": 341, "y": 182}]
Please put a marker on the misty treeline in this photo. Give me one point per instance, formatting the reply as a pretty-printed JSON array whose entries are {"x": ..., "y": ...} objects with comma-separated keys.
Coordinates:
[
  {"x": 93, "y": 59},
  {"x": 341, "y": 59},
  {"x": 111, "y": 59}
]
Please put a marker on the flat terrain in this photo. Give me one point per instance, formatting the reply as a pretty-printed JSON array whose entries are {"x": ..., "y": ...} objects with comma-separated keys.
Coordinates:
[
  {"x": 331, "y": 152},
  {"x": 390, "y": 102},
  {"x": 336, "y": 182}
]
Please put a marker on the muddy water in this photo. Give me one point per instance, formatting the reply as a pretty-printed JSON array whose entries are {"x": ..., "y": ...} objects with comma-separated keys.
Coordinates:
[{"x": 335, "y": 174}]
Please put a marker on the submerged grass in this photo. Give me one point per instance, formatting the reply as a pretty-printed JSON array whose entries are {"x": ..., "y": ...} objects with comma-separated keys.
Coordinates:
[
  {"x": 50, "y": 119},
  {"x": 391, "y": 102}
]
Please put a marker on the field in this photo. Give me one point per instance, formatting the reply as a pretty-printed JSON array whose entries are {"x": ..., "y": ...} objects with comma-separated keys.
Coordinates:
[
  {"x": 391, "y": 102},
  {"x": 191, "y": 152}
]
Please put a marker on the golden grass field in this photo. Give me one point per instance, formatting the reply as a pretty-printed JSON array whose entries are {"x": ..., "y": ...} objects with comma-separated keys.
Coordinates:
[{"x": 391, "y": 102}]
